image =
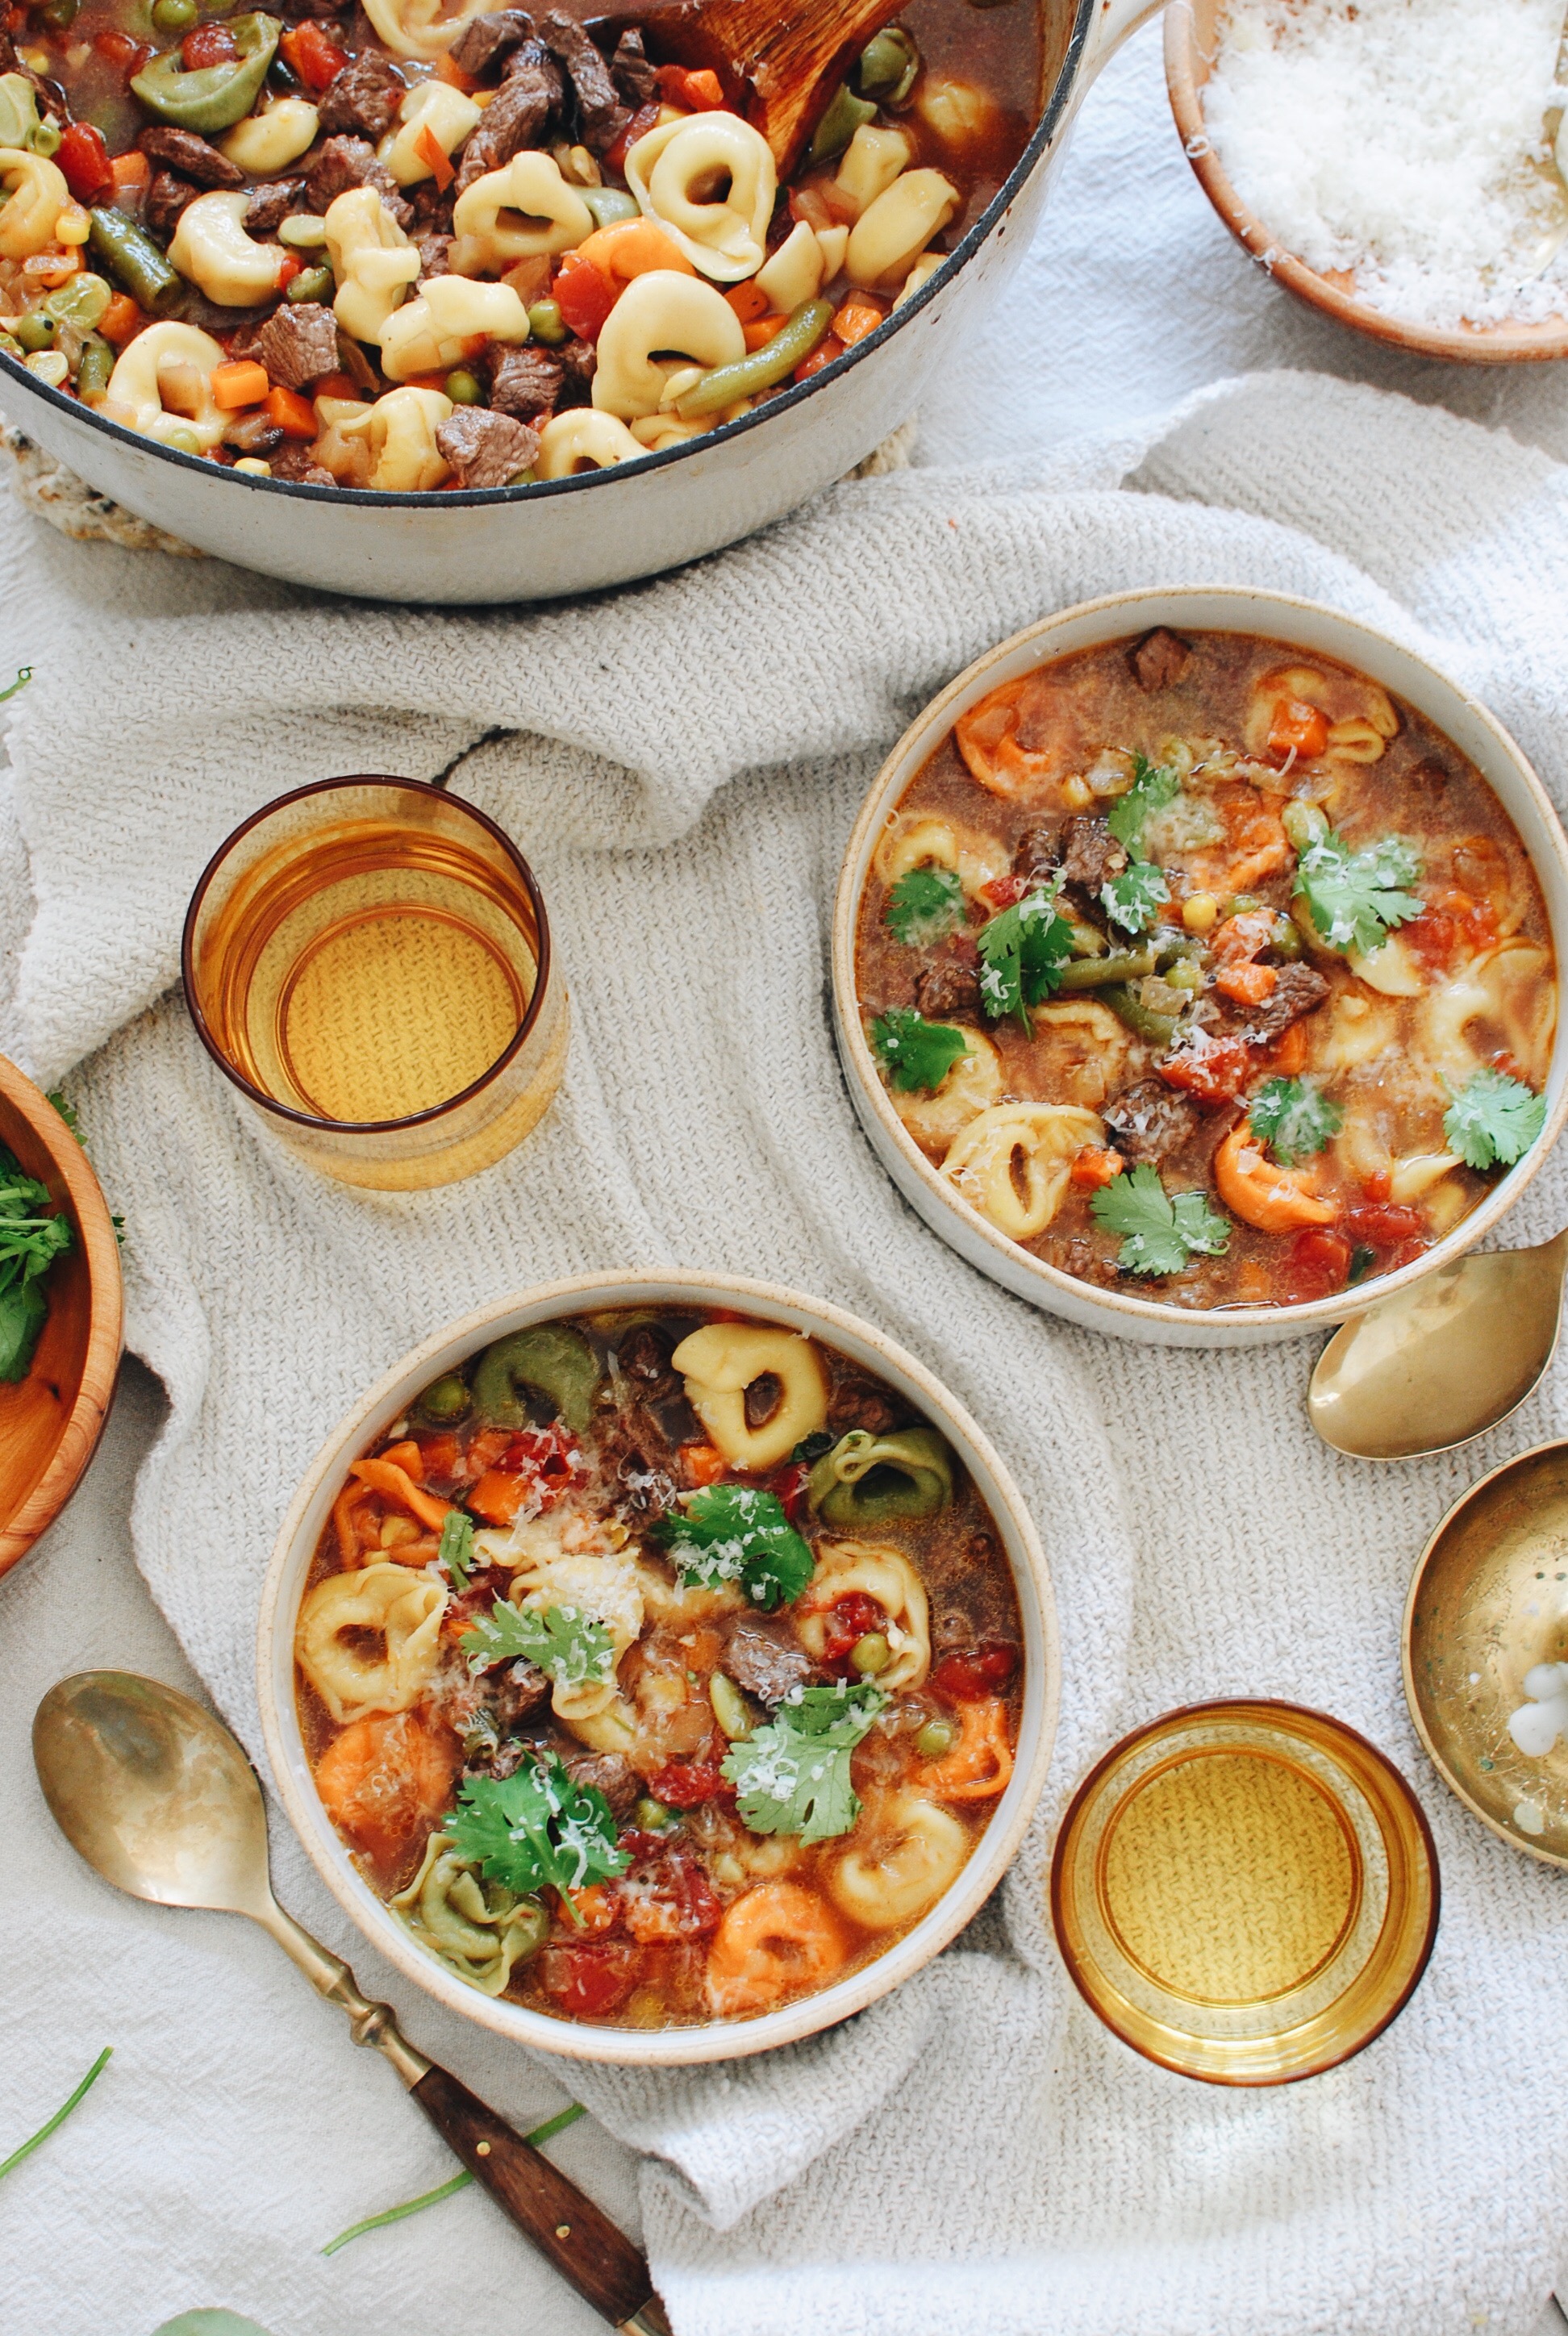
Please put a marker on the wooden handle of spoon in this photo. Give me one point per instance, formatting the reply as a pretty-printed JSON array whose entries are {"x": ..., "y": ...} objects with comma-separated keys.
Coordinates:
[{"x": 585, "y": 2246}]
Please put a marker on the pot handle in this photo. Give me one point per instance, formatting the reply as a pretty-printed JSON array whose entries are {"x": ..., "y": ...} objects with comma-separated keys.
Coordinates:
[{"x": 1113, "y": 20}]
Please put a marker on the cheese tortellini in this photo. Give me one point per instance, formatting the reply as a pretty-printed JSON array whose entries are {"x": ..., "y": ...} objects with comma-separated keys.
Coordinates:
[
  {"x": 581, "y": 439},
  {"x": 212, "y": 247},
  {"x": 476, "y": 1927},
  {"x": 525, "y": 211},
  {"x": 404, "y": 1610},
  {"x": 885, "y": 1575},
  {"x": 664, "y": 331},
  {"x": 723, "y": 1359},
  {"x": 431, "y": 110},
  {"x": 1012, "y": 1164},
  {"x": 434, "y": 332},
  {"x": 399, "y": 431},
  {"x": 677, "y": 170},
  {"x": 371, "y": 258},
  {"x": 918, "y": 840},
  {"x": 970, "y": 1086},
  {"x": 419, "y": 28},
  {"x": 1507, "y": 992},
  {"x": 175, "y": 361},
  {"x": 913, "y": 1852},
  {"x": 33, "y": 194}
]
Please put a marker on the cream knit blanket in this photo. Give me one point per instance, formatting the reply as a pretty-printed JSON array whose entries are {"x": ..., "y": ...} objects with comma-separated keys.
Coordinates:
[{"x": 682, "y": 763}]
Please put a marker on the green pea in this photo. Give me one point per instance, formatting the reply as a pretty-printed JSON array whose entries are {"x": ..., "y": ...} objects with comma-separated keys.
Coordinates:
[
  {"x": 651, "y": 1816},
  {"x": 35, "y": 330},
  {"x": 186, "y": 439},
  {"x": 729, "y": 1707},
  {"x": 447, "y": 1400},
  {"x": 463, "y": 388},
  {"x": 1185, "y": 974},
  {"x": 311, "y": 284},
  {"x": 934, "y": 1739},
  {"x": 1305, "y": 825},
  {"x": 60, "y": 14},
  {"x": 173, "y": 15},
  {"x": 871, "y": 1654},
  {"x": 546, "y": 323}
]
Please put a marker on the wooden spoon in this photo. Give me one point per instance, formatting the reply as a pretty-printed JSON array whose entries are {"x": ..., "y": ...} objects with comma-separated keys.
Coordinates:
[{"x": 781, "y": 60}]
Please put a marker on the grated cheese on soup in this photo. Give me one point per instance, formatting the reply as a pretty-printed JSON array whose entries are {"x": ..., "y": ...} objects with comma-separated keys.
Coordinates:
[{"x": 1402, "y": 141}]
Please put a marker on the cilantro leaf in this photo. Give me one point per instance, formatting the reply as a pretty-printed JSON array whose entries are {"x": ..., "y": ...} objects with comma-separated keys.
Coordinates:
[
  {"x": 915, "y": 1053},
  {"x": 737, "y": 1533},
  {"x": 1294, "y": 1117},
  {"x": 456, "y": 1550},
  {"x": 537, "y": 1828},
  {"x": 924, "y": 905},
  {"x": 574, "y": 1648},
  {"x": 1355, "y": 898},
  {"x": 793, "y": 1776},
  {"x": 1493, "y": 1120},
  {"x": 1153, "y": 786},
  {"x": 1133, "y": 899},
  {"x": 1023, "y": 952},
  {"x": 1159, "y": 1234},
  {"x": 30, "y": 1241}
]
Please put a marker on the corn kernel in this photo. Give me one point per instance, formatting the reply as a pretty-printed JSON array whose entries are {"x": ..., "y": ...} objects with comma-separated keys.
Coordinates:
[
  {"x": 72, "y": 225},
  {"x": 254, "y": 467},
  {"x": 1200, "y": 912},
  {"x": 1076, "y": 794}
]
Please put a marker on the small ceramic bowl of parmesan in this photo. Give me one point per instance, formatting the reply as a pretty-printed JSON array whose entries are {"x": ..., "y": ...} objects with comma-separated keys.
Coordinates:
[{"x": 1398, "y": 169}]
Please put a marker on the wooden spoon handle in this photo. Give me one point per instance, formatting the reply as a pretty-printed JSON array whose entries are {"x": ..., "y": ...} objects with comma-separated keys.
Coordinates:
[{"x": 585, "y": 2246}]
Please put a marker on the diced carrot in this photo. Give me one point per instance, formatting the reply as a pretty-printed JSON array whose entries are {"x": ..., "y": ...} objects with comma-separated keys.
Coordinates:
[
  {"x": 829, "y": 348},
  {"x": 120, "y": 321},
  {"x": 762, "y": 330},
  {"x": 629, "y": 248},
  {"x": 749, "y": 301},
  {"x": 447, "y": 69},
  {"x": 395, "y": 1484},
  {"x": 131, "y": 171},
  {"x": 1249, "y": 985},
  {"x": 292, "y": 415},
  {"x": 592, "y": 1910},
  {"x": 856, "y": 318},
  {"x": 429, "y": 149},
  {"x": 241, "y": 383},
  {"x": 1290, "y": 1051},
  {"x": 702, "y": 91},
  {"x": 497, "y": 1497},
  {"x": 1298, "y": 728},
  {"x": 703, "y": 1465},
  {"x": 1093, "y": 1166}
]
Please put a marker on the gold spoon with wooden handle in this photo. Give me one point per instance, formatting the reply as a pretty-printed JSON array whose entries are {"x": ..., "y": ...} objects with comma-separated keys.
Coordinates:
[{"x": 160, "y": 1800}]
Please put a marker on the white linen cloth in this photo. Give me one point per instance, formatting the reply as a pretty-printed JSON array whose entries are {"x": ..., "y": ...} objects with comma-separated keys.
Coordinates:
[{"x": 682, "y": 764}]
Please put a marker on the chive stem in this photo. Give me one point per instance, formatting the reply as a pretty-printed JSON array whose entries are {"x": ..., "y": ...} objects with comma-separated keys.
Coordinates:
[
  {"x": 557, "y": 2124},
  {"x": 60, "y": 2115},
  {"x": 24, "y": 675}
]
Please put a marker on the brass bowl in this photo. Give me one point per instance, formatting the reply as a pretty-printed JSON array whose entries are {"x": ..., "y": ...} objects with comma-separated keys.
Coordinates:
[
  {"x": 1488, "y": 1601},
  {"x": 1246, "y": 1892}
]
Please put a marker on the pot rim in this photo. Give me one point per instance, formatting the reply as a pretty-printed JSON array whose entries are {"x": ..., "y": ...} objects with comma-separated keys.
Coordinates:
[
  {"x": 1055, "y": 110},
  {"x": 1118, "y": 615},
  {"x": 718, "y": 2040}
]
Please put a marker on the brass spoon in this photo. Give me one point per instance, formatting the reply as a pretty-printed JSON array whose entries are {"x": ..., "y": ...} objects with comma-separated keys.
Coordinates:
[
  {"x": 1444, "y": 1361},
  {"x": 159, "y": 1799}
]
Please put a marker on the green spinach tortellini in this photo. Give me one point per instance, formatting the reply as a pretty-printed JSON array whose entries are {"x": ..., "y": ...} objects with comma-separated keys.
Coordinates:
[{"x": 868, "y": 1480}]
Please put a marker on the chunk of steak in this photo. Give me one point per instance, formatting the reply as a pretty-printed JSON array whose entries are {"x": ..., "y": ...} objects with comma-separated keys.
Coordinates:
[
  {"x": 644, "y": 1356},
  {"x": 182, "y": 150},
  {"x": 1300, "y": 989},
  {"x": 578, "y": 360},
  {"x": 363, "y": 97},
  {"x": 857, "y": 1404},
  {"x": 345, "y": 162},
  {"x": 632, "y": 69},
  {"x": 166, "y": 198},
  {"x": 486, "y": 41},
  {"x": 298, "y": 342},
  {"x": 948, "y": 988},
  {"x": 602, "y": 116},
  {"x": 1037, "y": 854},
  {"x": 1091, "y": 855},
  {"x": 519, "y": 115},
  {"x": 1148, "y": 1122},
  {"x": 430, "y": 207},
  {"x": 610, "y": 1774},
  {"x": 765, "y": 1659},
  {"x": 525, "y": 384},
  {"x": 486, "y": 449},
  {"x": 434, "y": 254},
  {"x": 296, "y": 461},
  {"x": 271, "y": 204},
  {"x": 1159, "y": 660},
  {"x": 518, "y": 1692}
]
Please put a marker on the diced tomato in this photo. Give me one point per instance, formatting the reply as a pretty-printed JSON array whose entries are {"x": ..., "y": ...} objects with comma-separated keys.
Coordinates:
[
  {"x": 584, "y": 297},
  {"x": 440, "y": 1457},
  {"x": 829, "y": 348},
  {"x": 119, "y": 49},
  {"x": 969, "y": 1677},
  {"x": 486, "y": 1448},
  {"x": 1215, "y": 1070},
  {"x": 699, "y": 92},
  {"x": 667, "y": 1895},
  {"x": 288, "y": 267},
  {"x": 550, "y": 1455},
  {"x": 688, "y": 1784},
  {"x": 1378, "y": 1185},
  {"x": 307, "y": 51},
  {"x": 209, "y": 44},
  {"x": 1240, "y": 939},
  {"x": 1006, "y": 891},
  {"x": 848, "y": 1624},
  {"x": 1318, "y": 1262},
  {"x": 1096, "y": 1165},
  {"x": 702, "y": 1464},
  {"x": 1433, "y": 938},
  {"x": 1382, "y": 1223},
  {"x": 641, "y": 123},
  {"x": 589, "y": 1982},
  {"x": 789, "y": 1485},
  {"x": 1298, "y": 728},
  {"x": 84, "y": 159}
]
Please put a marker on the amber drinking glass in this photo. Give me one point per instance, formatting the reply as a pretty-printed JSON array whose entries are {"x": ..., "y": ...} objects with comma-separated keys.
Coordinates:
[{"x": 368, "y": 960}]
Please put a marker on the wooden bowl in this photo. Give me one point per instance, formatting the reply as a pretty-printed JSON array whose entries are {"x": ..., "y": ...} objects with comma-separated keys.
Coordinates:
[
  {"x": 718, "y": 2040},
  {"x": 50, "y": 1422},
  {"x": 1191, "y": 47}
]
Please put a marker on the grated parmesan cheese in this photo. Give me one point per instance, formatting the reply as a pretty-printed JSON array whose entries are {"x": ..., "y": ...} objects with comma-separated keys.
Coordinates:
[{"x": 1404, "y": 142}]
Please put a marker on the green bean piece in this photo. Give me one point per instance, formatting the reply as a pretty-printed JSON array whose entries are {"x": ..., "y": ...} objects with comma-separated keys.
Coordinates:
[
  {"x": 217, "y": 96},
  {"x": 650, "y": 1815},
  {"x": 729, "y": 1707},
  {"x": 845, "y": 114},
  {"x": 871, "y": 1654},
  {"x": 1124, "y": 1003},
  {"x": 464, "y": 387},
  {"x": 607, "y": 205},
  {"x": 888, "y": 66},
  {"x": 1305, "y": 825},
  {"x": 446, "y": 1401},
  {"x": 35, "y": 330},
  {"x": 317, "y": 283},
  {"x": 870, "y": 1479},
  {"x": 1121, "y": 964},
  {"x": 546, "y": 323},
  {"x": 97, "y": 365},
  {"x": 551, "y": 1360},
  {"x": 134, "y": 261},
  {"x": 934, "y": 1739},
  {"x": 775, "y": 362}
]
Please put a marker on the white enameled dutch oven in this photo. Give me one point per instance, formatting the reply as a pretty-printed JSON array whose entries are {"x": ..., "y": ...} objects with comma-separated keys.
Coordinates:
[
  {"x": 288, "y": 1574},
  {"x": 603, "y": 527},
  {"x": 1125, "y": 616}
]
